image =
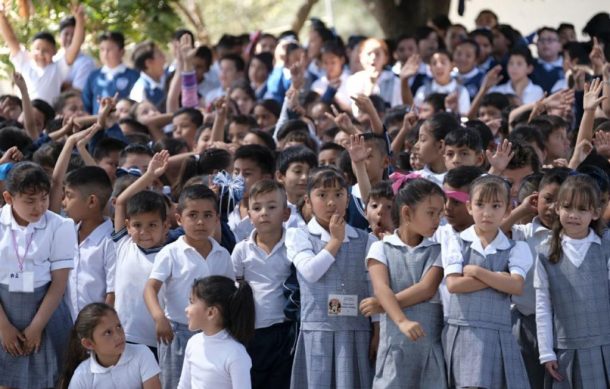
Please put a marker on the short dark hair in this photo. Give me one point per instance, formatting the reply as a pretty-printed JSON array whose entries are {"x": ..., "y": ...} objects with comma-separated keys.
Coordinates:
[
  {"x": 378, "y": 141},
  {"x": 578, "y": 51},
  {"x": 547, "y": 29},
  {"x": 142, "y": 53},
  {"x": 471, "y": 42},
  {"x": 441, "y": 124},
  {"x": 60, "y": 101},
  {"x": 497, "y": 100},
  {"x": 27, "y": 177},
  {"x": 462, "y": 176},
  {"x": 437, "y": 101},
  {"x": 290, "y": 126},
  {"x": 47, "y": 111},
  {"x": 182, "y": 31},
  {"x": 13, "y": 136},
  {"x": 482, "y": 32},
  {"x": 194, "y": 115},
  {"x": 333, "y": 47},
  {"x": 554, "y": 176},
  {"x": 265, "y": 137},
  {"x": 382, "y": 190},
  {"x": 464, "y": 137},
  {"x": 423, "y": 32},
  {"x": 91, "y": 180},
  {"x": 146, "y": 201},
  {"x": 174, "y": 146},
  {"x": 47, "y": 154},
  {"x": 522, "y": 51},
  {"x": 196, "y": 192},
  {"x": 487, "y": 137},
  {"x": 105, "y": 146},
  {"x": 331, "y": 146},
  {"x": 265, "y": 58},
  {"x": 565, "y": 26},
  {"x": 203, "y": 52},
  {"x": 296, "y": 154},
  {"x": 238, "y": 61},
  {"x": 524, "y": 155},
  {"x": 44, "y": 36},
  {"x": 69, "y": 21},
  {"x": 528, "y": 134},
  {"x": 113, "y": 36}
]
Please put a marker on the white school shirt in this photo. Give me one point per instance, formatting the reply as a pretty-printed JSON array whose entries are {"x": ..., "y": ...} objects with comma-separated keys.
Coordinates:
[
  {"x": 178, "y": 265},
  {"x": 241, "y": 227},
  {"x": 377, "y": 253},
  {"x": 138, "y": 91},
  {"x": 533, "y": 234},
  {"x": 321, "y": 84},
  {"x": 519, "y": 260},
  {"x": 463, "y": 98},
  {"x": 312, "y": 266},
  {"x": 448, "y": 238},
  {"x": 216, "y": 361},
  {"x": 531, "y": 93},
  {"x": 52, "y": 247},
  {"x": 43, "y": 83},
  {"x": 82, "y": 67},
  {"x": 136, "y": 365},
  {"x": 266, "y": 274},
  {"x": 575, "y": 250},
  {"x": 132, "y": 270},
  {"x": 355, "y": 85},
  {"x": 94, "y": 267},
  {"x": 295, "y": 219},
  {"x": 437, "y": 178}
]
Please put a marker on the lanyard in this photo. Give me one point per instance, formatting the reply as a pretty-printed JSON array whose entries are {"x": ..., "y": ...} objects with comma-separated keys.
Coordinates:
[{"x": 20, "y": 259}]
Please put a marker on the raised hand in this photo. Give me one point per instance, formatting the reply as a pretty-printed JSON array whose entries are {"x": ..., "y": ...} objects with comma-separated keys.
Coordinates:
[
  {"x": 158, "y": 163},
  {"x": 500, "y": 158},
  {"x": 602, "y": 143},
  {"x": 451, "y": 102},
  {"x": 297, "y": 74},
  {"x": 364, "y": 104},
  {"x": 411, "y": 67},
  {"x": 342, "y": 120},
  {"x": 78, "y": 11},
  {"x": 492, "y": 78},
  {"x": 591, "y": 98},
  {"x": 598, "y": 60},
  {"x": 11, "y": 155},
  {"x": 357, "y": 149},
  {"x": 19, "y": 81}
]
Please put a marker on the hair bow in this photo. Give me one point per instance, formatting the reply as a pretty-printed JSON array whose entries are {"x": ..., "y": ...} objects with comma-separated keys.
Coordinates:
[
  {"x": 457, "y": 195},
  {"x": 132, "y": 171},
  {"x": 399, "y": 179},
  {"x": 230, "y": 187}
]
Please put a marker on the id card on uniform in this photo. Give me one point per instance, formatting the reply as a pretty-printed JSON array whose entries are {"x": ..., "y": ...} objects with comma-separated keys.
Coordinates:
[
  {"x": 343, "y": 305},
  {"x": 21, "y": 282}
]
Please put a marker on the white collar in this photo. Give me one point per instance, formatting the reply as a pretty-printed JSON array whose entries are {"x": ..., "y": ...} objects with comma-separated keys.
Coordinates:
[
  {"x": 181, "y": 242},
  {"x": 537, "y": 226},
  {"x": 468, "y": 75},
  {"x": 552, "y": 64},
  {"x": 100, "y": 232},
  {"x": 316, "y": 229},
  {"x": 155, "y": 84},
  {"x": 8, "y": 220},
  {"x": 591, "y": 238},
  {"x": 252, "y": 241},
  {"x": 500, "y": 242},
  {"x": 447, "y": 87},
  {"x": 395, "y": 240},
  {"x": 112, "y": 72},
  {"x": 96, "y": 368}
]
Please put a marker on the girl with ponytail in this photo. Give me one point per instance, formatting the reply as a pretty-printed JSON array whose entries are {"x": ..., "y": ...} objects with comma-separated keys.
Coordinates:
[
  {"x": 98, "y": 357},
  {"x": 223, "y": 310}
]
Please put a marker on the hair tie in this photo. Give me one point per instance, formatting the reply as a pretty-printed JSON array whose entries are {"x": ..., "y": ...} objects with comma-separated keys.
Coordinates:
[
  {"x": 196, "y": 157},
  {"x": 232, "y": 186},
  {"x": 399, "y": 179},
  {"x": 5, "y": 168},
  {"x": 457, "y": 195}
]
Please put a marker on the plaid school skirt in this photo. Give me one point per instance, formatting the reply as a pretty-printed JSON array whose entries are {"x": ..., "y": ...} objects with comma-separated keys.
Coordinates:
[{"x": 41, "y": 369}]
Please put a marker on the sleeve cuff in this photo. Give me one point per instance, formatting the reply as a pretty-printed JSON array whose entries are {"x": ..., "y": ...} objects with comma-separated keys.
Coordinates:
[
  {"x": 517, "y": 271},
  {"x": 454, "y": 269},
  {"x": 62, "y": 264},
  {"x": 548, "y": 357}
]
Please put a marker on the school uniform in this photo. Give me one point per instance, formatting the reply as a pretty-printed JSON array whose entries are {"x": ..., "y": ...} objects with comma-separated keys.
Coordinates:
[
  {"x": 531, "y": 93},
  {"x": 177, "y": 266},
  {"x": 133, "y": 267},
  {"x": 471, "y": 81},
  {"x": 546, "y": 74},
  {"x": 423, "y": 76},
  {"x": 270, "y": 349},
  {"x": 106, "y": 82},
  {"x": 332, "y": 347},
  {"x": 433, "y": 87},
  {"x": 81, "y": 69},
  {"x": 329, "y": 94},
  {"x": 448, "y": 238},
  {"x": 43, "y": 83},
  {"x": 215, "y": 361},
  {"x": 242, "y": 227},
  {"x": 437, "y": 178},
  {"x": 480, "y": 350},
  {"x": 44, "y": 246},
  {"x": 295, "y": 219},
  {"x": 356, "y": 209},
  {"x": 573, "y": 311},
  {"x": 92, "y": 277},
  {"x": 145, "y": 88},
  {"x": 136, "y": 365},
  {"x": 524, "y": 306},
  {"x": 387, "y": 86},
  {"x": 402, "y": 363}
]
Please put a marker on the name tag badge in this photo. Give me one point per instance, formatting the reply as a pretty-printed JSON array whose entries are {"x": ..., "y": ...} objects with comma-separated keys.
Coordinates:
[
  {"x": 342, "y": 305},
  {"x": 21, "y": 282}
]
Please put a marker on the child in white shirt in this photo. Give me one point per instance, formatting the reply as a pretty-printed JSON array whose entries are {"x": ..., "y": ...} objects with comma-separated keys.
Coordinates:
[{"x": 194, "y": 255}]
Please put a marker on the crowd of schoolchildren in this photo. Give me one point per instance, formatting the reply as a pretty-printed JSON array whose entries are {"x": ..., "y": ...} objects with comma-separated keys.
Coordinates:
[{"x": 425, "y": 212}]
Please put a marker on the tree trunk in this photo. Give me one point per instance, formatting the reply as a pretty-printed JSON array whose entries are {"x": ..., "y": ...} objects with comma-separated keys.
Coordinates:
[{"x": 397, "y": 17}]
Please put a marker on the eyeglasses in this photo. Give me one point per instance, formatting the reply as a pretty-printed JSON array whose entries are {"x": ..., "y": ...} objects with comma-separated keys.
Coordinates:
[
  {"x": 132, "y": 171},
  {"x": 548, "y": 40}
]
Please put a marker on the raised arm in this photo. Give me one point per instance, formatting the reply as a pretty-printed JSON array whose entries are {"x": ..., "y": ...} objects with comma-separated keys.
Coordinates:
[
  {"x": 408, "y": 71},
  {"x": 365, "y": 105},
  {"x": 7, "y": 33},
  {"x": 358, "y": 153},
  {"x": 398, "y": 143},
  {"x": 156, "y": 168},
  {"x": 491, "y": 79},
  {"x": 29, "y": 123},
  {"x": 218, "y": 128},
  {"x": 78, "y": 11},
  {"x": 590, "y": 103}
]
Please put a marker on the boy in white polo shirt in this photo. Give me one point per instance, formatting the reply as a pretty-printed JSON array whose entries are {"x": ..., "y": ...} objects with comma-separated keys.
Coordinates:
[
  {"x": 86, "y": 193},
  {"x": 141, "y": 226},
  {"x": 192, "y": 256},
  {"x": 43, "y": 76},
  {"x": 261, "y": 260}
]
